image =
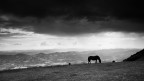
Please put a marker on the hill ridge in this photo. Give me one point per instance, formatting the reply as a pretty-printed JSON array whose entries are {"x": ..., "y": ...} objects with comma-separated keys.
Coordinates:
[{"x": 139, "y": 56}]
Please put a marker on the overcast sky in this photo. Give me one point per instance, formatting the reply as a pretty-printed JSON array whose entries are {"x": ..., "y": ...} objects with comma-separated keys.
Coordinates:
[{"x": 67, "y": 24}]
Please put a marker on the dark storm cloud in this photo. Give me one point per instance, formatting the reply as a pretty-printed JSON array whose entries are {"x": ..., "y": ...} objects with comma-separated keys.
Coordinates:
[
  {"x": 73, "y": 17},
  {"x": 73, "y": 8},
  {"x": 82, "y": 26}
]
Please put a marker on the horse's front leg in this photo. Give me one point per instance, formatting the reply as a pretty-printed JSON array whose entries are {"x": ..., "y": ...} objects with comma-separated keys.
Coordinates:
[
  {"x": 96, "y": 61},
  {"x": 89, "y": 62}
]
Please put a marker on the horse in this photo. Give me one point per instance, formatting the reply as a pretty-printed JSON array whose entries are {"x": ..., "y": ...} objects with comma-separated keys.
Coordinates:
[{"x": 94, "y": 58}]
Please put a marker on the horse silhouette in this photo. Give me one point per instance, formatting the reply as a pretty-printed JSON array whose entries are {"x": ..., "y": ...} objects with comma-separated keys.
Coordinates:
[{"x": 94, "y": 58}]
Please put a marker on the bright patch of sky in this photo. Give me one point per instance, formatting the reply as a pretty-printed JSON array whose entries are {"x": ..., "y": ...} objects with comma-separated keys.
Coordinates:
[{"x": 19, "y": 39}]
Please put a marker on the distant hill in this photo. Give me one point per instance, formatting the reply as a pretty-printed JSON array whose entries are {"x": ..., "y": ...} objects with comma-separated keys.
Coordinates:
[
  {"x": 139, "y": 56},
  {"x": 8, "y": 60},
  {"x": 19, "y": 59},
  {"x": 40, "y": 59},
  {"x": 55, "y": 57}
]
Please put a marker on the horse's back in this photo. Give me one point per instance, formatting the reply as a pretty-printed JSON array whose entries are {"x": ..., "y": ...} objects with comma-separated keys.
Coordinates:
[{"x": 93, "y": 57}]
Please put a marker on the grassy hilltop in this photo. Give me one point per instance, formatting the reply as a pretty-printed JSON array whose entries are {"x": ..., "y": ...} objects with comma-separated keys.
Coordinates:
[{"x": 121, "y": 71}]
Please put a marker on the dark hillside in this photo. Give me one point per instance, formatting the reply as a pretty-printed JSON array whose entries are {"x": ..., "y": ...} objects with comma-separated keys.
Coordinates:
[{"x": 139, "y": 56}]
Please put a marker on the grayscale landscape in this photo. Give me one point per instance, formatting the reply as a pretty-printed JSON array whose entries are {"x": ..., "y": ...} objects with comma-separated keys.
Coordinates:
[{"x": 71, "y": 40}]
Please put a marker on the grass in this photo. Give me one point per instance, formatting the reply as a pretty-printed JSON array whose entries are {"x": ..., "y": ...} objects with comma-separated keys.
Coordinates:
[{"x": 121, "y": 71}]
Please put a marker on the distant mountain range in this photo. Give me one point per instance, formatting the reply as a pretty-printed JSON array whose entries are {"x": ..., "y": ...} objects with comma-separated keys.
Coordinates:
[
  {"x": 8, "y": 61},
  {"x": 41, "y": 59},
  {"x": 139, "y": 56}
]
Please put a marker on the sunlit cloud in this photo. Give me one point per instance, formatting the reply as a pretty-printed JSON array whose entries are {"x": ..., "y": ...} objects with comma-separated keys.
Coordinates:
[{"x": 28, "y": 40}]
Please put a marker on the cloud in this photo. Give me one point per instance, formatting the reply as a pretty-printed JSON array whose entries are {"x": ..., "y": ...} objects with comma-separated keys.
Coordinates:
[
  {"x": 84, "y": 26},
  {"x": 4, "y": 18},
  {"x": 74, "y": 26},
  {"x": 84, "y": 8},
  {"x": 72, "y": 17},
  {"x": 17, "y": 44}
]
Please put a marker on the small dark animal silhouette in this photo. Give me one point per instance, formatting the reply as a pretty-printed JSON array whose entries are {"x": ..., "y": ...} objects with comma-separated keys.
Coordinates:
[
  {"x": 69, "y": 63},
  {"x": 94, "y": 58},
  {"x": 113, "y": 61}
]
